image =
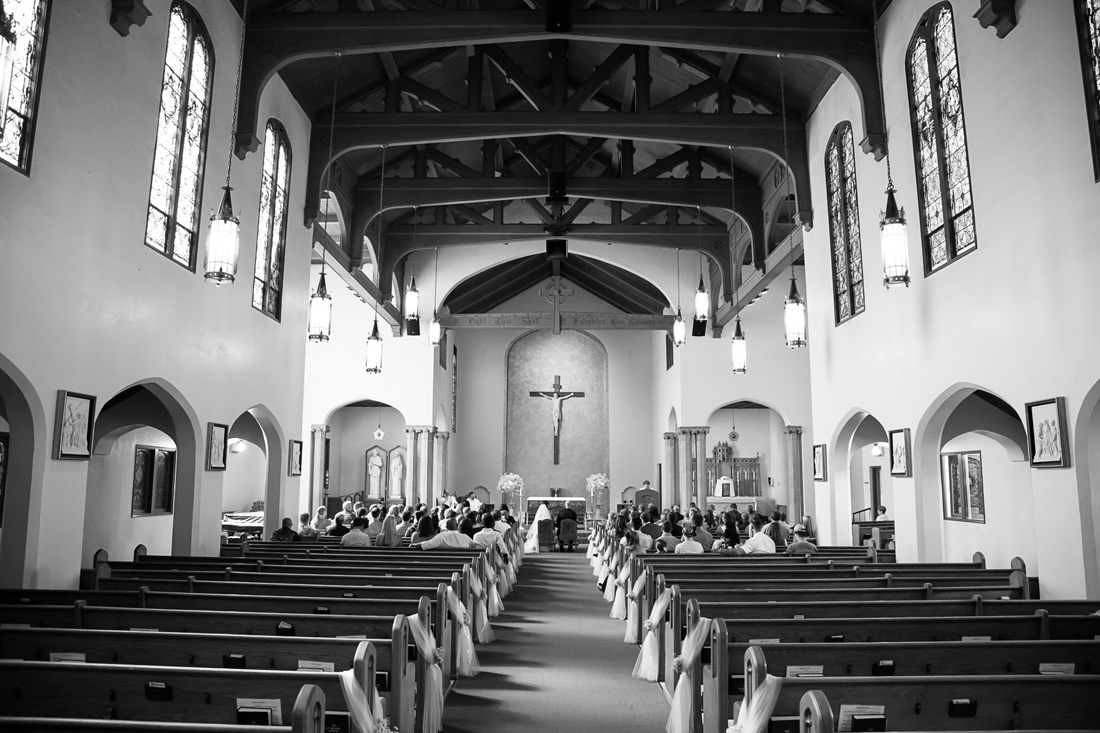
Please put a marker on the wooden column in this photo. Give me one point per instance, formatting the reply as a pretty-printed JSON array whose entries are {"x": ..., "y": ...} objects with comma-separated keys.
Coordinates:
[
  {"x": 318, "y": 473},
  {"x": 412, "y": 495},
  {"x": 668, "y": 472},
  {"x": 683, "y": 469},
  {"x": 439, "y": 462},
  {"x": 700, "y": 485},
  {"x": 794, "y": 473}
]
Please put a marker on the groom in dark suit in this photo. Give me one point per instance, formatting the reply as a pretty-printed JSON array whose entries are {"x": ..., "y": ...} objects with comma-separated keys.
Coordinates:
[{"x": 564, "y": 513}]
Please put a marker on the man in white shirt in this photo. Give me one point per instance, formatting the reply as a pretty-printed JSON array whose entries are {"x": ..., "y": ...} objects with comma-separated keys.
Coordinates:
[
  {"x": 882, "y": 515},
  {"x": 488, "y": 536},
  {"x": 357, "y": 537},
  {"x": 759, "y": 543},
  {"x": 449, "y": 537},
  {"x": 688, "y": 545}
]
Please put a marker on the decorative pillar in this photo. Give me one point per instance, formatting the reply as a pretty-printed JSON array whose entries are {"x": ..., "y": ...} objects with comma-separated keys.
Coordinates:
[
  {"x": 668, "y": 472},
  {"x": 439, "y": 463},
  {"x": 794, "y": 473},
  {"x": 701, "y": 467},
  {"x": 318, "y": 471},
  {"x": 412, "y": 492},
  {"x": 683, "y": 470},
  {"x": 424, "y": 464}
]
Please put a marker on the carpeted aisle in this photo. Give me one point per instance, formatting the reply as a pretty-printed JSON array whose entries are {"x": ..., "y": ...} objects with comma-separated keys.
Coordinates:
[{"x": 559, "y": 663}]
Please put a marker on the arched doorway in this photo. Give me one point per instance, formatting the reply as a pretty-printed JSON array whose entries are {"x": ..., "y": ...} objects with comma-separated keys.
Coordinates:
[
  {"x": 368, "y": 454},
  {"x": 142, "y": 474},
  {"x": 254, "y": 469},
  {"x": 971, "y": 439},
  {"x": 746, "y": 462},
  {"x": 23, "y": 421},
  {"x": 860, "y": 472}
]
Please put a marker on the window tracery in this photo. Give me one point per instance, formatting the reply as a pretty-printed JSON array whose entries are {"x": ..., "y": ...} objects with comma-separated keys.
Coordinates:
[
  {"x": 267, "y": 282},
  {"x": 20, "y": 73},
  {"x": 1088, "y": 23},
  {"x": 847, "y": 251}
]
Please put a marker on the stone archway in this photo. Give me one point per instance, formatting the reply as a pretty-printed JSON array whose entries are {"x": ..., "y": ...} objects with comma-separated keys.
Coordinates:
[
  {"x": 1086, "y": 449},
  {"x": 857, "y": 430}
]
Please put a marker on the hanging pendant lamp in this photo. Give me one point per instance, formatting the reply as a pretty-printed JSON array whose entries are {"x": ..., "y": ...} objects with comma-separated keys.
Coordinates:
[
  {"x": 702, "y": 297},
  {"x": 794, "y": 316},
  {"x": 435, "y": 329},
  {"x": 223, "y": 236},
  {"x": 893, "y": 233},
  {"x": 320, "y": 311},
  {"x": 679, "y": 328},
  {"x": 374, "y": 349},
  {"x": 379, "y": 433},
  {"x": 739, "y": 352}
]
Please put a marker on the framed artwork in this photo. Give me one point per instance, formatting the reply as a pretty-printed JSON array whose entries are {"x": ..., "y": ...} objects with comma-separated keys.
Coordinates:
[
  {"x": 376, "y": 471},
  {"x": 963, "y": 486},
  {"x": 1048, "y": 440},
  {"x": 294, "y": 461},
  {"x": 217, "y": 444},
  {"x": 900, "y": 463},
  {"x": 820, "y": 469},
  {"x": 72, "y": 433}
]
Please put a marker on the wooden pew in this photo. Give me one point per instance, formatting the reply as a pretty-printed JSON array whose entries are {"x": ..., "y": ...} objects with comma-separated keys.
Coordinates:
[
  {"x": 307, "y": 716},
  {"x": 163, "y": 693},
  {"x": 816, "y": 716}
]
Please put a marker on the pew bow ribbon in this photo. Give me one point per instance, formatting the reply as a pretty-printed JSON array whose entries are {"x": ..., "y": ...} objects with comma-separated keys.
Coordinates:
[
  {"x": 485, "y": 633},
  {"x": 433, "y": 694},
  {"x": 468, "y": 665},
  {"x": 646, "y": 666},
  {"x": 754, "y": 717},
  {"x": 633, "y": 610},
  {"x": 358, "y": 702},
  {"x": 618, "y": 606},
  {"x": 680, "y": 713}
]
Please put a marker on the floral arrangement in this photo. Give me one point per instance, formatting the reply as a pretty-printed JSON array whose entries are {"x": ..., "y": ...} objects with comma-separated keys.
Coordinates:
[
  {"x": 597, "y": 482},
  {"x": 510, "y": 483}
]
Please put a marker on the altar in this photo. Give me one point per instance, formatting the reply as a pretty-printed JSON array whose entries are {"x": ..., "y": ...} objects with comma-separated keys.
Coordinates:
[{"x": 579, "y": 504}]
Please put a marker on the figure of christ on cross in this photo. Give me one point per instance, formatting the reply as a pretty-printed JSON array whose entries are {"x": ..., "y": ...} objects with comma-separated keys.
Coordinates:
[{"x": 556, "y": 398}]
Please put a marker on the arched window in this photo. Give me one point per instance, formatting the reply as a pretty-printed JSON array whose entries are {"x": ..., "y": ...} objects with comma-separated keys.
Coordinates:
[
  {"x": 939, "y": 136},
  {"x": 1088, "y": 28},
  {"x": 21, "y": 54},
  {"x": 172, "y": 224},
  {"x": 267, "y": 285},
  {"x": 840, "y": 182}
]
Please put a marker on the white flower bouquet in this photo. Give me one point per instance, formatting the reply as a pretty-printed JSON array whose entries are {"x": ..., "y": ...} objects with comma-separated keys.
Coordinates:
[
  {"x": 596, "y": 483},
  {"x": 510, "y": 484}
]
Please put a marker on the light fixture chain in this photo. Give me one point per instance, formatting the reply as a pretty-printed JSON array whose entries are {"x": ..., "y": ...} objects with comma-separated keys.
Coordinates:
[
  {"x": 786, "y": 152},
  {"x": 381, "y": 198},
  {"x": 435, "y": 287},
  {"x": 881, "y": 92},
  {"x": 677, "y": 279},
  {"x": 236, "y": 95}
]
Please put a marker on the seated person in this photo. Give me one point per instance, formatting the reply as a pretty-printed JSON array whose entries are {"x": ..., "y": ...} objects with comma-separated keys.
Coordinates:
[
  {"x": 882, "y": 515},
  {"x": 448, "y": 537},
  {"x": 800, "y": 546},
  {"x": 564, "y": 513},
  {"x": 488, "y": 536},
  {"x": 357, "y": 537},
  {"x": 667, "y": 541},
  {"x": 306, "y": 530},
  {"x": 688, "y": 545},
  {"x": 728, "y": 538},
  {"x": 776, "y": 531},
  {"x": 337, "y": 529},
  {"x": 702, "y": 536},
  {"x": 652, "y": 524},
  {"x": 346, "y": 513},
  {"x": 321, "y": 521},
  {"x": 759, "y": 543},
  {"x": 286, "y": 533}
]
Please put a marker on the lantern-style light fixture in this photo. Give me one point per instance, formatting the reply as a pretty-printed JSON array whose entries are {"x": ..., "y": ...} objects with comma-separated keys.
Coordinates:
[
  {"x": 893, "y": 233},
  {"x": 794, "y": 316},
  {"x": 679, "y": 328},
  {"x": 412, "y": 295},
  {"x": 702, "y": 297},
  {"x": 739, "y": 351},
  {"x": 320, "y": 311},
  {"x": 374, "y": 349},
  {"x": 379, "y": 433},
  {"x": 435, "y": 329},
  {"x": 223, "y": 236}
]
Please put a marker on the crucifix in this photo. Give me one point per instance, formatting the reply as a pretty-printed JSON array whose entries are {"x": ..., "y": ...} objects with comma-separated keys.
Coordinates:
[{"x": 556, "y": 397}]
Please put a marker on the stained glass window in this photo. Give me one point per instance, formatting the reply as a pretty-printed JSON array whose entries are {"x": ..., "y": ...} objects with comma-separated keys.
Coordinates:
[
  {"x": 267, "y": 285},
  {"x": 964, "y": 487},
  {"x": 840, "y": 180},
  {"x": 20, "y": 70},
  {"x": 172, "y": 224},
  {"x": 939, "y": 136},
  {"x": 1088, "y": 26}
]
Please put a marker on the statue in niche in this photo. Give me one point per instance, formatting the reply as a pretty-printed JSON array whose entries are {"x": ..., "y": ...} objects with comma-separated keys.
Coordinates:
[{"x": 397, "y": 475}]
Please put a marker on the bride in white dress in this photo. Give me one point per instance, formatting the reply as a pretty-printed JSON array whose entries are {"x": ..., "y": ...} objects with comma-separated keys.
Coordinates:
[{"x": 532, "y": 543}]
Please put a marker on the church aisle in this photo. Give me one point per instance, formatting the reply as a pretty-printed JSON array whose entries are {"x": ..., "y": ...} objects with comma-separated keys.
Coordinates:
[{"x": 559, "y": 664}]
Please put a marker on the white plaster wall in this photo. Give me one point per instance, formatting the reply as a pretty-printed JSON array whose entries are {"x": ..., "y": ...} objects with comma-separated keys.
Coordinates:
[
  {"x": 108, "y": 523},
  {"x": 352, "y": 434},
  {"x": 1008, "y": 317},
  {"x": 116, "y": 311},
  {"x": 245, "y": 479}
]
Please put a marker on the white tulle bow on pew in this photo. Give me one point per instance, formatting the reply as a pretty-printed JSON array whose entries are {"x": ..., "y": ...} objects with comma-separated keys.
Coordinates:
[
  {"x": 467, "y": 658},
  {"x": 632, "y": 612},
  {"x": 649, "y": 656},
  {"x": 754, "y": 717},
  {"x": 680, "y": 713},
  {"x": 433, "y": 692},
  {"x": 484, "y": 630}
]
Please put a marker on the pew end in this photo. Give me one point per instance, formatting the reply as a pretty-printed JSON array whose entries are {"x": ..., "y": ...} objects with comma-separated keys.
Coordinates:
[
  {"x": 308, "y": 715},
  {"x": 816, "y": 716},
  {"x": 717, "y": 697},
  {"x": 139, "y": 552}
]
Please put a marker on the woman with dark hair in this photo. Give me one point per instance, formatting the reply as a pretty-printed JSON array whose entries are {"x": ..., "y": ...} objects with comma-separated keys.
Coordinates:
[
  {"x": 424, "y": 530},
  {"x": 710, "y": 521},
  {"x": 634, "y": 540}
]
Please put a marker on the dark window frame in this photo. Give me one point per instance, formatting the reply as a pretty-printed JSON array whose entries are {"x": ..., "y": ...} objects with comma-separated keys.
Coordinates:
[
  {"x": 1089, "y": 77},
  {"x": 948, "y": 512},
  {"x": 31, "y": 127},
  {"x": 281, "y": 139},
  {"x": 143, "y": 501},
  {"x": 835, "y": 142}
]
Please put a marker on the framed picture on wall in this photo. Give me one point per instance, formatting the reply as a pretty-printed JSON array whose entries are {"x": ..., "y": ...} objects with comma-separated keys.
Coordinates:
[
  {"x": 1048, "y": 441},
  {"x": 217, "y": 443},
  {"x": 820, "y": 469},
  {"x": 900, "y": 460},
  {"x": 72, "y": 433},
  {"x": 294, "y": 461}
]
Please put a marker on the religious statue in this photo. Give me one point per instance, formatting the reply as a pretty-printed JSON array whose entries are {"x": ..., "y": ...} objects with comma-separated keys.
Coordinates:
[
  {"x": 556, "y": 397},
  {"x": 374, "y": 473},
  {"x": 397, "y": 475}
]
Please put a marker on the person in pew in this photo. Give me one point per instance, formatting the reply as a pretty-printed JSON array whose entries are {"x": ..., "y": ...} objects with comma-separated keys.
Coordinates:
[
  {"x": 388, "y": 537},
  {"x": 635, "y": 540},
  {"x": 357, "y": 537},
  {"x": 305, "y": 528},
  {"x": 347, "y": 513},
  {"x": 667, "y": 541},
  {"x": 565, "y": 513},
  {"x": 406, "y": 525},
  {"x": 729, "y": 538},
  {"x": 882, "y": 515},
  {"x": 702, "y": 536},
  {"x": 449, "y": 537},
  {"x": 466, "y": 523},
  {"x": 338, "y": 529},
  {"x": 286, "y": 533},
  {"x": 374, "y": 526},
  {"x": 489, "y": 536},
  {"x": 801, "y": 545},
  {"x": 759, "y": 543},
  {"x": 688, "y": 545},
  {"x": 774, "y": 530},
  {"x": 651, "y": 527},
  {"x": 425, "y": 529},
  {"x": 321, "y": 521}
]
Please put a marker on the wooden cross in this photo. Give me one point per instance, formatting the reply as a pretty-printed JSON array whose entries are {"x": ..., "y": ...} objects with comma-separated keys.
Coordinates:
[{"x": 556, "y": 397}]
